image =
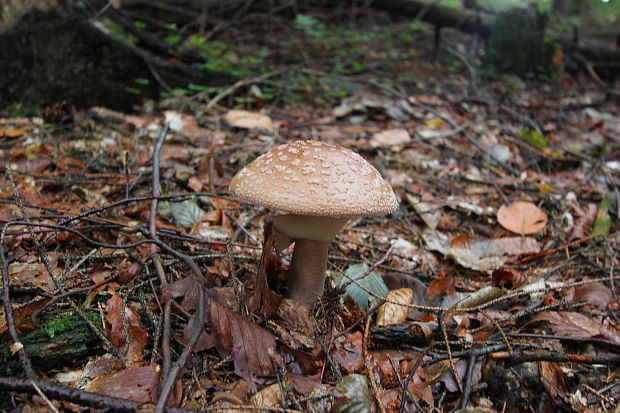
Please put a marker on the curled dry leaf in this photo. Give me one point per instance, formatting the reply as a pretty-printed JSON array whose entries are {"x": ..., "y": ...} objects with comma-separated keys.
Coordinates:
[
  {"x": 583, "y": 225},
  {"x": 393, "y": 311},
  {"x": 508, "y": 278},
  {"x": 522, "y": 218},
  {"x": 480, "y": 297}
]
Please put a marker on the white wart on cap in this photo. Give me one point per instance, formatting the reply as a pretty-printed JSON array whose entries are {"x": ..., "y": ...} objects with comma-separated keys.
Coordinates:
[{"x": 319, "y": 186}]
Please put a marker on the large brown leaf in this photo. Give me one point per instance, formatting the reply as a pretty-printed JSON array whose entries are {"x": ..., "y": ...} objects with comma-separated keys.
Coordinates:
[
  {"x": 522, "y": 218},
  {"x": 252, "y": 347},
  {"x": 125, "y": 328}
]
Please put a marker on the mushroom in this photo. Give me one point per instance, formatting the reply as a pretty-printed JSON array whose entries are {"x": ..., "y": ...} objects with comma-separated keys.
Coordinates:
[{"x": 319, "y": 187}]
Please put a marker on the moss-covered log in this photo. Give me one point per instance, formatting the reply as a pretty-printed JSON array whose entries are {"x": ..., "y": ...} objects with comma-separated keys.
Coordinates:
[{"x": 59, "y": 343}]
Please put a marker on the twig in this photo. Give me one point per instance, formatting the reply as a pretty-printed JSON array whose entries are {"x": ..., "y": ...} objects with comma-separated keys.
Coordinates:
[
  {"x": 371, "y": 269},
  {"x": 444, "y": 333},
  {"x": 243, "y": 82},
  {"x": 44, "y": 397},
  {"x": 525, "y": 356},
  {"x": 369, "y": 369},
  {"x": 405, "y": 384},
  {"x": 8, "y": 312},
  {"x": 469, "y": 374},
  {"x": 171, "y": 378}
]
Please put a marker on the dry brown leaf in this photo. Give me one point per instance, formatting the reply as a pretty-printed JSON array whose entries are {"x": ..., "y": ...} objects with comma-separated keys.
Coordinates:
[
  {"x": 125, "y": 328},
  {"x": 598, "y": 296},
  {"x": 576, "y": 325},
  {"x": 12, "y": 133},
  {"x": 583, "y": 225},
  {"x": 503, "y": 246},
  {"x": 347, "y": 352},
  {"x": 390, "y": 137},
  {"x": 508, "y": 278},
  {"x": 186, "y": 124},
  {"x": 441, "y": 285},
  {"x": 270, "y": 396},
  {"x": 265, "y": 299},
  {"x": 138, "y": 382},
  {"x": 522, "y": 218},
  {"x": 248, "y": 120},
  {"x": 252, "y": 347},
  {"x": 552, "y": 380},
  {"x": 391, "y": 313}
]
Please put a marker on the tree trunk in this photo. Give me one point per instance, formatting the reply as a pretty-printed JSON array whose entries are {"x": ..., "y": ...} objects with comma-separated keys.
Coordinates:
[{"x": 52, "y": 52}]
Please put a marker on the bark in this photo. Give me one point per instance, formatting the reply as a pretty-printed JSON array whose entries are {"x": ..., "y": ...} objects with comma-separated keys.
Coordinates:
[{"x": 60, "y": 343}]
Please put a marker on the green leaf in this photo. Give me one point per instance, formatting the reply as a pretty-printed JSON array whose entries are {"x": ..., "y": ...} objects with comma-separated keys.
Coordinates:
[
  {"x": 602, "y": 224},
  {"x": 173, "y": 38},
  {"x": 352, "y": 395},
  {"x": 132, "y": 90},
  {"x": 184, "y": 213},
  {"x": 534, "y": 138},
  {"x": 310, "y": 25},
  {"x": 358, "y": 290}
]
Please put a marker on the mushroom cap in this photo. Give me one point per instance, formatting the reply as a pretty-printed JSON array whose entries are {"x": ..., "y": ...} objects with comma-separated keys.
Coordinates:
[{"x": 317, "y": 179}]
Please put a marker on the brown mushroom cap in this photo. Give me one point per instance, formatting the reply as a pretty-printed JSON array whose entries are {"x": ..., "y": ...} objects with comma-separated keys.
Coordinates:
[{"x": 317, "y": 179}]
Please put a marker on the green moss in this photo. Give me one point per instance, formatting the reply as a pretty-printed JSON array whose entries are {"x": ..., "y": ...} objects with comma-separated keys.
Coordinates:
[{"x": 58, "y": 342}]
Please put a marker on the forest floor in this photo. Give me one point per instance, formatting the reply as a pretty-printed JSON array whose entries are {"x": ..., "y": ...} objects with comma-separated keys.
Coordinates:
[{"x": 493, "y": 286}]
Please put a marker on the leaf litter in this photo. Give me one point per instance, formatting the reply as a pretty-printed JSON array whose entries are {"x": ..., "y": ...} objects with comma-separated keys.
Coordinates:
[{"x": 468, "y": 273}]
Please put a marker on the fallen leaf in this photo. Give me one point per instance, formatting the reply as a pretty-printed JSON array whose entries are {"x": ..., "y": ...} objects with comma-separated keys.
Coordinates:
[
  {"x": 552, "y": 380},
  {"x": 534, "y": 138},
  {"x": 522, "y": 218},
  {"x": 347, "y": 352},
  {"x": 390, "y": 137},
  {"x": 125, "y": 328},
  {"x": 265, "y": 299},
  {"x": 496, "y": 246},
  {"x": 481, "y": 296},
  {"x": 392, "y": 313},
  {"x": 576, "y": 325},
  {"x": 248, "y": 120},
  {"x": 252, "y": 347},
  {"x": 352, "y": 395},
  {"x": 509, "y": 278},
  {"x": 440, "y": 285},
  {"x": 437, "y": 241},
  {"x": 460, "y": 367},
  {"x": 138, "y": 382},
  {"x": 363, "y": 290},
  {"x": 185, "y": 124},
  {"x": 270, "y": 396},
  {"x": 12, "y": 133},
  {"x": 430, "y": 212},
  {"x": 602, "y": 225},
  {"x": 584, "y": 223},
  {"x": 598, "y": 296}
]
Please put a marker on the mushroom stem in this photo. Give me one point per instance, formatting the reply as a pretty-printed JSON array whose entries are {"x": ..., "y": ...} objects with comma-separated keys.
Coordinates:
[{"x": 307, "y": 275}]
